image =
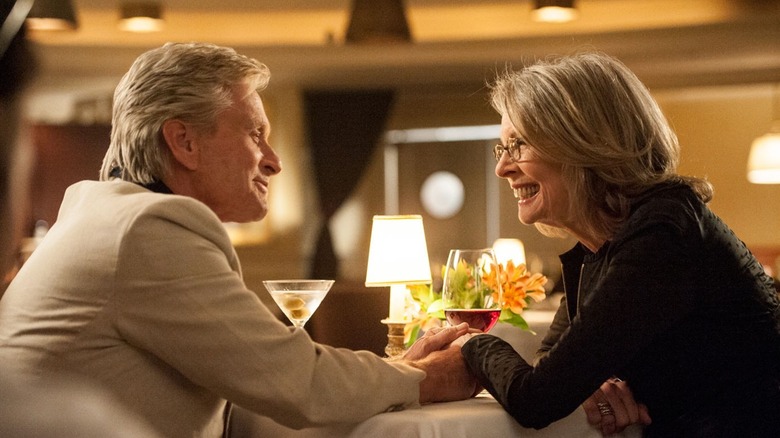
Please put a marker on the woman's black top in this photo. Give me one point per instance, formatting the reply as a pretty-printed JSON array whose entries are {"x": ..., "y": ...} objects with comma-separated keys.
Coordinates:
[{"x": 676, "y": 305}]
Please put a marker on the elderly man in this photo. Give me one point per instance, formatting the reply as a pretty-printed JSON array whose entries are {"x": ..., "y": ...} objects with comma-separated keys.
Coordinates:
[{"x": 138, "y": 287}]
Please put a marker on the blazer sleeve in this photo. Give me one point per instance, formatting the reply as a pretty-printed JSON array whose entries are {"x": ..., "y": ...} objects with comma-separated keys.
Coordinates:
[{"x": 181, "y": 299}]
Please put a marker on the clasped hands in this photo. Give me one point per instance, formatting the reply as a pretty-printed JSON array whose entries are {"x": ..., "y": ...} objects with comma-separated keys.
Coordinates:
[{"x": 438, "y": 354}]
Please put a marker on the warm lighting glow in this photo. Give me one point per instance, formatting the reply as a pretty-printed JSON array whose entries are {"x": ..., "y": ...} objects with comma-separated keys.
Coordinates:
[
  {"x": 398, "y": 256},
  {"x": 140, "y": 24},
  {"x": 141, "y": 17},
  {"x": 764, "y": 160},
  {"x": 554, "y": 11},
  {"x": 509, "y": 249}
]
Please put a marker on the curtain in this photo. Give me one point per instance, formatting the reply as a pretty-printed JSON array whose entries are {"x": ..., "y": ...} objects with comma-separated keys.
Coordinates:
[{"x": 343, "y": 129}]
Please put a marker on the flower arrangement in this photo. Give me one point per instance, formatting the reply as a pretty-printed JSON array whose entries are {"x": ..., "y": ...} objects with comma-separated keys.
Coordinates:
[{"x": 519, "y": 289}]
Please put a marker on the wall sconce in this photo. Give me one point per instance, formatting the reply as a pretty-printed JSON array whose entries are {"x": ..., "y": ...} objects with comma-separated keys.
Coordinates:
[
  {"x": 378, "y": 21},
  {"x": 764, "y": 159},
  {"x": 52, "y": 15},
  {"x": 141, "y": 17},
  {"x": 554, "y": 11},
  {"x": 397, "y": 257}
]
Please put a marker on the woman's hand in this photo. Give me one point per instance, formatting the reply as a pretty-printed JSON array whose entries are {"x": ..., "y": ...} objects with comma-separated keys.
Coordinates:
[{"x": 612, "y": 408}]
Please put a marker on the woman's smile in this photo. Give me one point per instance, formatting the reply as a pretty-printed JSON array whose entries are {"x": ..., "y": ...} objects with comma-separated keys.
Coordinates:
[{"x": 526, "y": 191}]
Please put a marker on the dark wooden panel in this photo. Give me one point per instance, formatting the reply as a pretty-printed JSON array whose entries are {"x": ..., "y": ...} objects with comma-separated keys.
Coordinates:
[{"x": 65, "y": 154}]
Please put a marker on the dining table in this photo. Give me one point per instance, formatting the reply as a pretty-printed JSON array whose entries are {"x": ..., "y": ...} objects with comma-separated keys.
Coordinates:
[{"x": 479, "y": 416}]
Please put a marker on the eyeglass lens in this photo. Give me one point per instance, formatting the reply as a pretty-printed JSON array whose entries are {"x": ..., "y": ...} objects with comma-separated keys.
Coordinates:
[{"x": 514, "y": 149}]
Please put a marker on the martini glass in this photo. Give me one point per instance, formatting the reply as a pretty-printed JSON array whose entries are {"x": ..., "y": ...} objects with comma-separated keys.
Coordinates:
[{"x": 298, "y": 299}]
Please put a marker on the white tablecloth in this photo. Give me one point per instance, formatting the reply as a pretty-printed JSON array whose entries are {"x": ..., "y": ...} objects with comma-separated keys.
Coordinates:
[{"x": 480, "y": 417}]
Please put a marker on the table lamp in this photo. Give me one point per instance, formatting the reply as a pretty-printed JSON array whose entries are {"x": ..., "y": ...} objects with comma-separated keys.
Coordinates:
[
  {"x": 509, "y": 249},
  {"x": 397, "y": 257}
]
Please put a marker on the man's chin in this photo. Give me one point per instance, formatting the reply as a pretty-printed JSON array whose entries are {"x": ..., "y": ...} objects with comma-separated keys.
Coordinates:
[
  {"x": 256, "y": 218},
  {"x": 246, "y": 216}
]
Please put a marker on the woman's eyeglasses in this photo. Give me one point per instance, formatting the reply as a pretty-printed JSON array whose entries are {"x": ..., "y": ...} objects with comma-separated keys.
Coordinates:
[{"x": 517, "y": 150}]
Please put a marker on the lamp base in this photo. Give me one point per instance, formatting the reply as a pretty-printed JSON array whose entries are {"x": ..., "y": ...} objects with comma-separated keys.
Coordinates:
[{"x": 395, "y": 338}]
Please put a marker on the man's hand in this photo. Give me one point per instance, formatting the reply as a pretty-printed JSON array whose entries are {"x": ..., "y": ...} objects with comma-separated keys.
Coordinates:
[
  {"x": 447, "y": 377},
  {"x": 435, "y": 339},
  {"x": 612, "y": 408}
]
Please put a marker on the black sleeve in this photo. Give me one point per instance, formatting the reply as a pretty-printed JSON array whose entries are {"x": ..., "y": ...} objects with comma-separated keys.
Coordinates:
[
  {"x": 497, "y": 365},
  {"x": 559, "y": 325}
]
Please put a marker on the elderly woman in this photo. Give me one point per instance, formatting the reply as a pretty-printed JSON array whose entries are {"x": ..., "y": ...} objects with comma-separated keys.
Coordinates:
[{"x": 661, "y": 296}]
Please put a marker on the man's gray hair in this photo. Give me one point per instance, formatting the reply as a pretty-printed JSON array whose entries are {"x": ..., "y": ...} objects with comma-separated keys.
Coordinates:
[{"x": 190, "y": 82}]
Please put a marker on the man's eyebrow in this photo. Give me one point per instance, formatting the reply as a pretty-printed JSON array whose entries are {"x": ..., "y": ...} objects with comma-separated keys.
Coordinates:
[{"x": 265, "y": 128}]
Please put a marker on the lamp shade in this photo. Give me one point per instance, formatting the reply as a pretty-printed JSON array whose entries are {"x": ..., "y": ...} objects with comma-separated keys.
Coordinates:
[
  {"x": 398, "y": 253},
  {"x": 764, "y": 159},
  {"x": 52, "y": 15},
  {"x": 378, "y": 21}
]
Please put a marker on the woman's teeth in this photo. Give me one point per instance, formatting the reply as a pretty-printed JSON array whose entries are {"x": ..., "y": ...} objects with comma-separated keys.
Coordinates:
[{"x": 526, "y": 192}]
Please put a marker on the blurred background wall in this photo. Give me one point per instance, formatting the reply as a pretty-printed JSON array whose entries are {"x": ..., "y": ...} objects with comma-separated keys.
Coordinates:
[{"x": 713, "y": 65}]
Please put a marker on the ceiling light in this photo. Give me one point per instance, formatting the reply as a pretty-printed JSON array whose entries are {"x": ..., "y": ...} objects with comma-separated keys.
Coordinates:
[
  {"x": 378, "y": 21},
  {"x": 141, "y": 17},
  {"x": 52, "y": 15},
  {"x": 554, "y": 11}
]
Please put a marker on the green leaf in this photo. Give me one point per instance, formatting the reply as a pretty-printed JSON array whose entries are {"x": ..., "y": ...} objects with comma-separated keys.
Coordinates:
[
  {"x": 413, "y": 336},
  {"x": 436, "y": 308},
  {"x": 424, "y": 295},
  {"x": 516, "y": 320},
  {"x": 420, "y": 293}
]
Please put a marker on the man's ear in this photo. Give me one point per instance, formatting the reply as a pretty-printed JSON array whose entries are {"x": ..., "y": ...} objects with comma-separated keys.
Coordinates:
[{"x": 178, "y": 137}]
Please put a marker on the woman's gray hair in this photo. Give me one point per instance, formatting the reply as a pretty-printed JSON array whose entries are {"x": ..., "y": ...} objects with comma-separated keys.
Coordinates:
[
  {"x": 191, "y": 82},
  {"x": 592, "y": 115}
]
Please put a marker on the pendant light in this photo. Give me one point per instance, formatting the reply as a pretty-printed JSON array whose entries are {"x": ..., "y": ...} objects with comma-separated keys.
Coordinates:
[
  {"x": 52, "y": 15},
  {"x": 378, "y": 21},
  {"x": 554, "y": 11}
]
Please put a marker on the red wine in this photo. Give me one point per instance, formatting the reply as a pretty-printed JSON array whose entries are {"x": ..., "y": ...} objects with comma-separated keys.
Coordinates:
[{"x": 480, "y": 319}]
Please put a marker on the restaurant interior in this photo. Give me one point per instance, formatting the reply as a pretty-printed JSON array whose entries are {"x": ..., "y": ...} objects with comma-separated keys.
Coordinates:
[{"x": 400, "y": 123}]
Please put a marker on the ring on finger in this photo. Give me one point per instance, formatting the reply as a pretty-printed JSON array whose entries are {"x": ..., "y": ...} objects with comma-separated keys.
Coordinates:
[{"x": 605, "y": 409}]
